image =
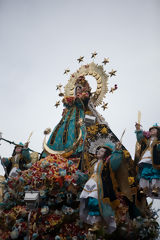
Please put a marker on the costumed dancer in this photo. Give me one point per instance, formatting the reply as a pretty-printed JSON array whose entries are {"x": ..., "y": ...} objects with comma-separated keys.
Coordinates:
[
  {"x": 148, "y": 154},
  {"x": 19, "y": 160}
]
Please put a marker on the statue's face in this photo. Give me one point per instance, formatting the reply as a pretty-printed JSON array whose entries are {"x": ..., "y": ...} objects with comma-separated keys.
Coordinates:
[
  {"x": 101, "y": 153},
  {"x": 78, "y": 90},
  {"x": 153, "y": 132},
  {"x": 18, "y": 149}
]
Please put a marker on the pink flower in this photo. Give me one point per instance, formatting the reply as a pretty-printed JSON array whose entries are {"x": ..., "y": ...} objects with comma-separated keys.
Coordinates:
[{"x": 146, "y": 134}]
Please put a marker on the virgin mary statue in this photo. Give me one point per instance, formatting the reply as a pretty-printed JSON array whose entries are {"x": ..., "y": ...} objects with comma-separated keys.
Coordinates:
[{"x": 67, "y": 131}]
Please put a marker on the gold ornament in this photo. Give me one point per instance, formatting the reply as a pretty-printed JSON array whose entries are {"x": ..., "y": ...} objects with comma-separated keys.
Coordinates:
[
  {"x": 68, "y": 151},
  {"x": 80, "y": 59},
  {"x": 98, "y": 73},
  {"x": 57, "y": 104},
  {"x": 47, "y": 131},
  {"x": 104, "y": 130},
  {"x": 94, "y": 55},
  {"x": 58, "y": 87},
  {"x": 92, "y": 129},
  {"x": 113, "y": 88},
  {"x": 105, "y": 61},
  {"x": 112, "y": 73},
  {"x": 104, "y": 106},
  {"x": 80, "y": 122},
  {"x": 66, "y": 71}
]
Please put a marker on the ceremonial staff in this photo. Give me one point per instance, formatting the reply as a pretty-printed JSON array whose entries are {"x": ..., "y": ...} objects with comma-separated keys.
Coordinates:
[
  {"x": 11, "y": 142},
  {"x": 122, "y": 135}
]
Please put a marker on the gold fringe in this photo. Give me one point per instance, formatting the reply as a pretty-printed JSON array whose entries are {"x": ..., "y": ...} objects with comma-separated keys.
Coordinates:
[
  {"x": 56, "y": 130},
  {"x": 155, "y": 165},
  {"x": 114, "y": 181},
  {"x": 114, "y": 204},
  {"x": 77, "y": 126},
  {"x": 65, "y": 133}
]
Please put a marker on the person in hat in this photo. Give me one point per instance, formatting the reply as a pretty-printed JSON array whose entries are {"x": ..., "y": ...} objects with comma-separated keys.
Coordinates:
[
  {"x": 19, "y": 160},
  {"x": 98, "y": 200},
  {"x": 148, "y": 159}
]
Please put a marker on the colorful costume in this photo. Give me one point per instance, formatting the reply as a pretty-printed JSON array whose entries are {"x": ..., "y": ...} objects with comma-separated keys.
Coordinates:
[
  {"x": 98, "y": 200},
  {"x": 17, "y": 161},
  {"x": 67, "y": 131},
  {"x": 92, "y": 208},
  {"x": 148, "y": 153}
]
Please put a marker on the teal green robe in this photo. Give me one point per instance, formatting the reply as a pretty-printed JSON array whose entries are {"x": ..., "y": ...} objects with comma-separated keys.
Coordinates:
[{"x": 67, "y": 130}]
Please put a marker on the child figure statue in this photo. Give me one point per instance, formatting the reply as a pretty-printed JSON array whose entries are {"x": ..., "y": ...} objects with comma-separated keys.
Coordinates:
[
  {"x": 148, "y": 155},
  {"x": 98, "y": 194},
  {"x": 19, "y": 160}
]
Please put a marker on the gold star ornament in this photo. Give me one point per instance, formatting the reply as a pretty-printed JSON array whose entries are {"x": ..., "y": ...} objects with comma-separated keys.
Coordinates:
[
  {"x": 66, "y": 71},
  {"x": 57, "y": 104},
  {"x": 104, "y": 106},
  {"x": 113, "y": 88},
  {"x": 105, "y": 61},
  {"x": 104, "y": 130},
  {"x": 112, "y": 73},
  {"x": 58, "y": 87},
  {"x": 80, "y": 59},
  {"x": 94, "y": 55}
]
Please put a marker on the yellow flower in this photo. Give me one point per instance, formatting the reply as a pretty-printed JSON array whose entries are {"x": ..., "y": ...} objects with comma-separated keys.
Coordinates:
[
  {"x": 104, "y": 130},
  {"x": 92, "y": 129},
  {"x": 131, "y": 180},
  {"x": 88, "y": 113},
  {"x": 126, "y": 154}
]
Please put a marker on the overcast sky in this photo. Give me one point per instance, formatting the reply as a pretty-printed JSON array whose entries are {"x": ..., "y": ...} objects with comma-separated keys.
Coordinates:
[{"x": 41, "y": 38}]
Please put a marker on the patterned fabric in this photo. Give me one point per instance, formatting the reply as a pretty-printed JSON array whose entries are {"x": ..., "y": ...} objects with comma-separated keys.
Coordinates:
[
  {"x": 147, "y": 144},
  {"x": 67, "y": 131},
  {"x": 106, "y": 193},
  {"x": 103, "y": 204},
  {"x": 116, "y": 159},
  {"x": 93, "y": 207},
  {"x": 139, "y": 135},
  {"x": 148, "y": 172},
  {"x": 18, "y": 161},
  {"x": 90, "y": 188}
]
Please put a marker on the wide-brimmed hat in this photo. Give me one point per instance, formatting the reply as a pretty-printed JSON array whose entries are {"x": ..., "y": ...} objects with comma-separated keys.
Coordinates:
[
  {"x": 20, "y": 144},
  {"x": 155, "y": 126},
  {"x": 109, "y": 146}
]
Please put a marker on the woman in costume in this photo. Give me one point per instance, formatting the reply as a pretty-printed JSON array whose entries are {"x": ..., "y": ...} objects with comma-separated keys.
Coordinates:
[{"x": 148, "y": 158}]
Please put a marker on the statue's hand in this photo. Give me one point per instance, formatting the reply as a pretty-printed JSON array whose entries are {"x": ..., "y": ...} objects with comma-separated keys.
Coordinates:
[
  {"x": 138, "y": 126},
  {"x": 80, "y": 122},
  {"x": 26, "y": 145},
  {"x": 118, "y": 146}
]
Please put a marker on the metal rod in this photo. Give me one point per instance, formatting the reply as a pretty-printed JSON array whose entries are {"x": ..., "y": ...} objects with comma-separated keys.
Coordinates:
[{"x": 15, "y": 144}]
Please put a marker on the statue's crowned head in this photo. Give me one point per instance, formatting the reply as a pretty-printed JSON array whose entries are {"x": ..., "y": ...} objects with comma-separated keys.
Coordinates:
[
  {"x": 82, "y": 85},
  {"x": 155, "y": 131}
]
